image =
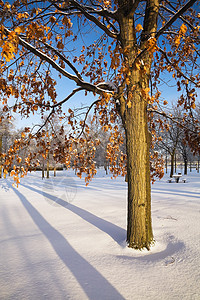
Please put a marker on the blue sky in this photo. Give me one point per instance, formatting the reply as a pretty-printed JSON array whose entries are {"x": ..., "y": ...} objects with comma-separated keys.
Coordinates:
[{"x": 65, "y": 86}]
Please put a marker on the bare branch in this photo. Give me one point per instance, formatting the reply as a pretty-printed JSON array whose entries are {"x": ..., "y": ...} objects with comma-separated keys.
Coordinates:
[
  {"x": 15, "y": 61},
  {"x": 67, "y": 98},
  {"x": 175, "y": 17},
  {"x": 83, "y": 84},
  {"x": 101, "y": 12},
  {"x": 178, "y": 70},
  {"x": 87, "y": 113},
  {"x": 181, "y": 17},
  {"x": 162, "y": 113},
  {"x": 64, "y": 59},
  {"x": 47, "y": 119},
  {"x": 84, "y": 10}
]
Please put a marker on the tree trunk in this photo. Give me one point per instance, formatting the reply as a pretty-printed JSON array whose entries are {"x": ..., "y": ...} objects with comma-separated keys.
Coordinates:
[
  {"x": 185, "y": 167},
  {"x": 106, "y": 168},
  {"x": 0, "y": 156},
  {"x": 42, "y": 171},
  {"x": 198, "y": 166},
  {"x": 175, "y": 162},
  {"x": 133, "y": 110},
  {"x": 172, "y": 164},
  {"x": 54, "y": 172},
  {"x": 48, "y": 165},
  {"x": 166, "y": 163},
  {"x": 139, "y": 227}
]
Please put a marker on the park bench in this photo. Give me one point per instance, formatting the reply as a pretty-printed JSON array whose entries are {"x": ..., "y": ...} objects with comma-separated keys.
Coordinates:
[
  {"x": 170, "y": 180},
  {"x": 177, "y": 177}
]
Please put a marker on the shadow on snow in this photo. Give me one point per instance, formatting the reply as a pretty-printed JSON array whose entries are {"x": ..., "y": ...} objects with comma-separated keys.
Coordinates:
[
  {"x": 117, "y": 233},
  {"x": 91, "y": 281}
]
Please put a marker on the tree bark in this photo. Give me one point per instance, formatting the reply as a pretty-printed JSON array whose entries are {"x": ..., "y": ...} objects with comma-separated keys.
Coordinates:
[
  {"x": 185, "y": 167},
  {"x": 135, "y": 121},
  {"x": 139, "y": 227},
  {"x": 106, "y": 168},
  {"x": 48, "y": 165},
  {"x": 42, "y": 172},
  {"x": 0, "y": 156},
  {"x": 43, "y": 169},
  {"x": 175, "y": 163},
  {"x": 172, "y": 164}
]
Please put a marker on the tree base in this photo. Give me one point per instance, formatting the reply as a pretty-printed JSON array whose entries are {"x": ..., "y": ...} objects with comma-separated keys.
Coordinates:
[{"x": 146, "y": 245}]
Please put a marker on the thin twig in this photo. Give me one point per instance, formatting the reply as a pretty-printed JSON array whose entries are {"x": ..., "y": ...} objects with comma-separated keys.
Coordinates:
[
  {"x": 179, "y": 71},
  {"x": 87, "y": 113},
  {"x": 162, "y": 113}
]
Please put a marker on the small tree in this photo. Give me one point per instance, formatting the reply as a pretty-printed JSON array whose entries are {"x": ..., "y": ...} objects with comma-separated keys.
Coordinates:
[
  {"x": 171, "y": 136},
  {"x": 6, "y": 137}
]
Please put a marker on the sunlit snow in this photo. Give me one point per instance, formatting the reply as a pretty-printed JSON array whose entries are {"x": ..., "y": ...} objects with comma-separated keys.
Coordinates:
[{"x": 62, "y": 240}]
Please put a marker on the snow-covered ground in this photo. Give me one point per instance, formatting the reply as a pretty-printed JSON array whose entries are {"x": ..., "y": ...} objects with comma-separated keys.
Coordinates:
[{"x": 62, "y": 240}]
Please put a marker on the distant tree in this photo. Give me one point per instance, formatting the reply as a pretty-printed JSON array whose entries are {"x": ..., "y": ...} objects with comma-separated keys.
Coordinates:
[
  {"x": 49, "y": 146},
  {"x": 185, "y": 151},
  {"x": 108, "y": 145},
  {"x": 118, "y": 51},
  {"x": 7, "y": 136},
  {"x": 186, "y": 139},
  {"x": 101, "y": 151},
  {"x": 170, "y": 136},
  {"x": 197, "y": 116}
]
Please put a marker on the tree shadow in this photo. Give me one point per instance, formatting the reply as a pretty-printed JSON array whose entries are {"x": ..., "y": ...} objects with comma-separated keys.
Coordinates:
[
  {"x": 80, "y": 183},
  {"x": 17, "y": 242},
  {"x": 4, "y": 185},
  {"x": 117, "y": 233},
  {"x": 91, "y": 281},
  {"x": 185, "y": 194},
  {"x": 172, "y": 248}
]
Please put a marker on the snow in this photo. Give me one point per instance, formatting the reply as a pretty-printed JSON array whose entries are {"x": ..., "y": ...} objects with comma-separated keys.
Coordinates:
[{"x": 62, "y": 240}]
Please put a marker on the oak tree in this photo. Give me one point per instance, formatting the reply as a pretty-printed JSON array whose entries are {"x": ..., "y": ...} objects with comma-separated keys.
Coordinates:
[{"x": 119, "y": 51}]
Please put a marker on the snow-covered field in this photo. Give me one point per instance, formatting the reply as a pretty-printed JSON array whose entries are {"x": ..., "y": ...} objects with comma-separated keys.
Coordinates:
[{"x": 62, "y": 240}]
